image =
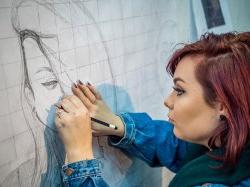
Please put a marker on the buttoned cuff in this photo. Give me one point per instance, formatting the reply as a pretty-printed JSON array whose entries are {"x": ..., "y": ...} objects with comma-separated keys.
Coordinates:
[
  {"x": 129, "y": 132},
  {"x": 81, "y": 169}
]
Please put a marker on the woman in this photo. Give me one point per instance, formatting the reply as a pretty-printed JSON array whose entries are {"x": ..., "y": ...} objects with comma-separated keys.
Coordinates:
[{"x": 209, "y": 114}]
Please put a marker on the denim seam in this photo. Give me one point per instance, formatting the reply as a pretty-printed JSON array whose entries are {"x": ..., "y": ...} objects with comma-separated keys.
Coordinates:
[
  {"x": 132, "y": 124},
  {"x": 95, "y": 164},
  {"x": 131, "y": 139},
  {"x": 146, "y": 159},
  {"x": 81, "y": 176},
  {"x": 126, "y": 140}
]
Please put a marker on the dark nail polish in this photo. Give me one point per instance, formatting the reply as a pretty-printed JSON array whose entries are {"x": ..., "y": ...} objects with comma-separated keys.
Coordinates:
[
  {"x": 88, "y": 83},
  {"x": 80, "y": 82},
  {"x": 58, "y": 106}
]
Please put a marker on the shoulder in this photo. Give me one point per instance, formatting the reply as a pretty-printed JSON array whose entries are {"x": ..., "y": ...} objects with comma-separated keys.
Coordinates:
[
  {"x": 245, "y": 182},
  {"x": 212, "y": 185}
]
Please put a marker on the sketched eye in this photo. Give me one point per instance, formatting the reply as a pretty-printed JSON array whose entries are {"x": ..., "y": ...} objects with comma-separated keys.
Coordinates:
[{"x": 50, "y": 84}]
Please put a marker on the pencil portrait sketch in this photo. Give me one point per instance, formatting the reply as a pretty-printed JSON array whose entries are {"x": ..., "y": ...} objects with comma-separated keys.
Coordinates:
[
  {"x": 45, "y": 78},
  {"x": 46, "y": 45}
]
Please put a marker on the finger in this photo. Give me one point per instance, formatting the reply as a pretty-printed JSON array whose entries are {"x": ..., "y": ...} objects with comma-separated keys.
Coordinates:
[
  {"x": 60, "y": 113},
  {"x": 58, "y": 122},
  {"x": 65, "y": 97},
  {"x": 87, "y": 92},
  {"x": 58, "y": 106},
  {"x": 96, "y": 126},
  {"x": 94, "y": 91},
  {"x": 76, "y": 101},
  {"x": 68, "y": 106},
  {"x": 95, "y": 133},
  {"x": 78, "y": 93}
]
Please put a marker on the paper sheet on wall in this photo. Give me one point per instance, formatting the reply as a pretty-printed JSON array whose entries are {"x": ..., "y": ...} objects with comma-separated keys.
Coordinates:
[{"x": 121, "y": 46}]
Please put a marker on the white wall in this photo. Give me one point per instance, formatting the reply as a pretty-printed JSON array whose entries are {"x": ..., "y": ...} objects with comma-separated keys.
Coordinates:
[{"x": 240, "y": 13}]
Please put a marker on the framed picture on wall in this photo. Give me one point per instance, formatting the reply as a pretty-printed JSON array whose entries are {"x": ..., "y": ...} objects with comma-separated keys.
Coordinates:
[{"x": 211, "y": 16}]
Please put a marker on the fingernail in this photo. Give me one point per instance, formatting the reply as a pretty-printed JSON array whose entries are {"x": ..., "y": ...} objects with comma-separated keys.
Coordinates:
[
  {"x": 58, "y": 106},
  {"x": 73, "y": 84},
  {"x": 88, "y": 83},
  {"x": 80, "y": 82}
]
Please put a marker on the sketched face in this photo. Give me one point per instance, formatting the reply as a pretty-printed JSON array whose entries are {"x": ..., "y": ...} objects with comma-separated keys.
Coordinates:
[
  {"x": 46, "y": 88},
  {"x": 46, "y": 76},
  {"x": 46, "y": 85}
]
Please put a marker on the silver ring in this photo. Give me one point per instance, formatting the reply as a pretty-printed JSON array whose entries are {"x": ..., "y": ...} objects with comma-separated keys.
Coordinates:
[{"x": 59, "y": 113}]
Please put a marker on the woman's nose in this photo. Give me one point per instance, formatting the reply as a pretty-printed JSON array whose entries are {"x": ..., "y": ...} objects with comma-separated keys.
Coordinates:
[{"x": 169, "y": 102}]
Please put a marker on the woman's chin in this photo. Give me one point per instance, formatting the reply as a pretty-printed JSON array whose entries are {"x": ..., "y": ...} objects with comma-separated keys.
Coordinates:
[{"x": 177, "y": 133}]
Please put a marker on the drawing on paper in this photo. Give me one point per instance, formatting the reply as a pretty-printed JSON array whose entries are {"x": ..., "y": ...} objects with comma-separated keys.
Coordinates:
[{"x": 49, "y": 34}]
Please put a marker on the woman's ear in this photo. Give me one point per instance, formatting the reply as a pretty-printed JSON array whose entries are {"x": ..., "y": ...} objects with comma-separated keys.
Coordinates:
[{"x": 221, "y": 108}]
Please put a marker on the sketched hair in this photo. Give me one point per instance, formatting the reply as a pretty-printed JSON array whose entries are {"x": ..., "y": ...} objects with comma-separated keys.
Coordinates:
[
  {"x": 52, "y": 141},
  {"x": 54, "y": 147}
]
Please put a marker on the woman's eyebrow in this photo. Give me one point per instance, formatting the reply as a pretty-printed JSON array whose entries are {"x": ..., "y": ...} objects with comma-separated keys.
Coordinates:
[
  {"x": 44, "y": 69},
  {"x": 178, "y": 79}
]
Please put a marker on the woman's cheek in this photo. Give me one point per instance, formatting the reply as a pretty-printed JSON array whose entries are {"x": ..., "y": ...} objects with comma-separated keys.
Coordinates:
[{"x": 44, "y": 99}]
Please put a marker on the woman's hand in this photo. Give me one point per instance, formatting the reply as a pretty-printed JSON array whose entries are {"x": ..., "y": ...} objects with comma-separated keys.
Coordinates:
[
  {"x": 73, "y": 124},
  {"x": 98, "y": 109}
]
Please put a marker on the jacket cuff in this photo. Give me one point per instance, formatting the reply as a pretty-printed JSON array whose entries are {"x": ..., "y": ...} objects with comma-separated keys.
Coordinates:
[
  {"x": 81, "y": 169},
  {"x": 129, "y": 133}
]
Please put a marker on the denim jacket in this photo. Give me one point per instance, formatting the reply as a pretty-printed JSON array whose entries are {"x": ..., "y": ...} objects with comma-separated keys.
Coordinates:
[{"x": 152, "y": 141}]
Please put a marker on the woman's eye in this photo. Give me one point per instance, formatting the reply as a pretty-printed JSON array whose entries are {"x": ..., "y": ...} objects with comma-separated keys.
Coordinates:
[
  {"x": 178, "y": 91},
  {"x": 50, "y": 84}
]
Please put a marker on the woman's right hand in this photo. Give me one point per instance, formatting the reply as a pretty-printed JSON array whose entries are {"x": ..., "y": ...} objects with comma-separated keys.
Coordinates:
[{"x": 98, "y": 109}]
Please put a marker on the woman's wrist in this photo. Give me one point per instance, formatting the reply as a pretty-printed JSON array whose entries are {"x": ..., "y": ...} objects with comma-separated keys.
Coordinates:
[
  {"x": 76, "y": 155},
  {"x": 119, "y": 123}
]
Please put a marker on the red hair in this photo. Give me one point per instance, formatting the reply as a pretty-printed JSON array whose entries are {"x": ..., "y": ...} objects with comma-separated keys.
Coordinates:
[{"x": 224, "y": 74}]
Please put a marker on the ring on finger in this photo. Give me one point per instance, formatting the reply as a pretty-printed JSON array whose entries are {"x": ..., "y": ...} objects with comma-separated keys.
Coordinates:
[
  {"x": 60, "y": 113},
  {"x": 65, "y": 107}
]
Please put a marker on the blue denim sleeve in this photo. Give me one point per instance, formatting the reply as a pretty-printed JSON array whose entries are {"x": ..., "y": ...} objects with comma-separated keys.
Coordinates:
[
  {"x": 85, "y": 173},
  {"x": 150, "y": 140}
]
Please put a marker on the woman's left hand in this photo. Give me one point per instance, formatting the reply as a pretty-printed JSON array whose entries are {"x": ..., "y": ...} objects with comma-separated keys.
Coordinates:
[{"x": 73, "y": 124}]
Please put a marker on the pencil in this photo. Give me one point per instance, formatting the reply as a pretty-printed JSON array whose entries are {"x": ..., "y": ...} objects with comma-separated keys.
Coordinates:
[
  {"x": 96, "y": 120},
  {"x": 104, "y": 123}
]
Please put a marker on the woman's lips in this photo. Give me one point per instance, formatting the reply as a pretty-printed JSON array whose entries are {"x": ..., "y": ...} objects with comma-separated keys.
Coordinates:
[{"x": 170, "y": 119}]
